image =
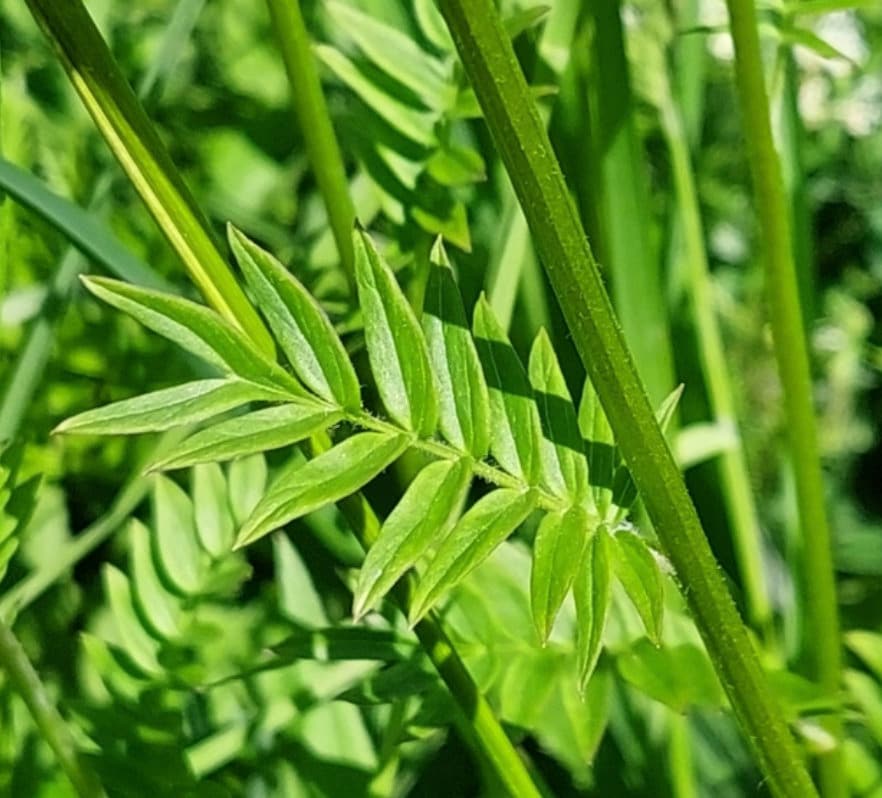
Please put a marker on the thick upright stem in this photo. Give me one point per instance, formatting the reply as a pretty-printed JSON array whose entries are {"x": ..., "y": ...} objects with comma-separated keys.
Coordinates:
[
  {"x": 516, "y": 128},
  {"x": 782, "y": 286}
]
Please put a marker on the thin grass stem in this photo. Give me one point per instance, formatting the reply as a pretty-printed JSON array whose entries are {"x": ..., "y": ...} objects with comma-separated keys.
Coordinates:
[{"x": 791, "y": 350}]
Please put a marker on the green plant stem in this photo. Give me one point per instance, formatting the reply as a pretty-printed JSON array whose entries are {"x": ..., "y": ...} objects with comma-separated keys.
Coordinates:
[
  {"x": 519, "y": 135},
  {"x": 26, "y": 682},
  {"x": 139, "y": 150},
  {"x": 782, "y": 287},
  {"x": 314, "y": 121},
  {"x": 732, "y": 464}
]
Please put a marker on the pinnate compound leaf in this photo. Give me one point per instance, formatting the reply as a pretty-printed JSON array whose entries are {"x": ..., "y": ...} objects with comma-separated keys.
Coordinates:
[
  {"x": 515, "y": 439},
  {"x": 424, "y": 515},
  {"x": 462, "y": 390},
  {"x": 484, "y": 526},
  {"x": 592, "y": 590},
  {"x": 197, "y": 329},
  {"x": 302, "y": 329},
  {"x": 331, "y": 476},
  {"x": 396, "y": 347},
  {"x": 260, "y": 431},
  {"x": 564, "y": 467},
  {"x": 557, "y": 553},
  {"x": 184, "y": 404},
  {"x": 637, "y": 570}
]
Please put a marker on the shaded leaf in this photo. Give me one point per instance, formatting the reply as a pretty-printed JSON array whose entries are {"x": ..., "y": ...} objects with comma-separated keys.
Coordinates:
[
  {"x": 424, "y": 516},
  {"x": 177, "y": 549},
  {"x": 564, "y": 467},
  {"x": 600, "y": 447},
  {"x": 414, "y": 124},
  {"x": 156, "y": 604},
  {"x": 557, "y": 553},
  {"x": 462, "y": 391},
  {"x": 301, "y": 328},
  {"x": 184, "y": 404},
  {"x": 681, "y": 677},
  {"x": 332, "y": 475},
  {"x": 395, "y": 53},
  {"x": 486, "y": 524},
  {"x": 214, "y": 517},
  {"x": 592, "y": 590},
  {"x": 515, "y": 439},
  {"x": 260, "y": 431},
  {"x": 197, "y": 329},
  {"x": 639, "y": 574},
  {"x": 396, "y": 347},
  {"x": 299, "y": 601}
]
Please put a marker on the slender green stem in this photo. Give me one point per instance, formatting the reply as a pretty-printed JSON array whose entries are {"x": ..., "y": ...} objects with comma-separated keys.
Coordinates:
[
  {"x": 680, "y": 757},
  {"x": 516, "y": 128},
  {"x": 26, "y": 682},
  {"x": 782, "y": 286},
  {"x": 312, "y": 116},
  {"x": 139, "y": 150},
  {"x": 736, "y": 490}
]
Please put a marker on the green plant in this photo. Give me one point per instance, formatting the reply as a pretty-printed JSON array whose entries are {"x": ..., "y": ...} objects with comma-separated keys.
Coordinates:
[{"x": 385, "y": 534}]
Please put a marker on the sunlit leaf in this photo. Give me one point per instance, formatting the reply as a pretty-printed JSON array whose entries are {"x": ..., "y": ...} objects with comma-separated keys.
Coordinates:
[
  {"x": 486, "y": 524},
  {"x": 592, "y": 590},
  {"x": 197, "y": 329},
  {"x": 260, "y": 431},
  {"x": 301, "y": 327},
  {"x": 424, "y": 516},
  {"x": 564, "y": 467},
  {"x": 155, "y": 603},
  {"x": 557, "y": 554},
  {"x": 515, "y": 439},
  {"x": 184, "y": 404},
  {"x": 395, "y": 343},
  {"x": 639, "y": 574},
  {"x": 462, "y": 391},
  {"x": 332, "y": 475}
]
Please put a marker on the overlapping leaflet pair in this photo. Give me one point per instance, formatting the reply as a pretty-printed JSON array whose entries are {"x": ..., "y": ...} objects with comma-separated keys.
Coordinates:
[{"x": 454, "y": 393}]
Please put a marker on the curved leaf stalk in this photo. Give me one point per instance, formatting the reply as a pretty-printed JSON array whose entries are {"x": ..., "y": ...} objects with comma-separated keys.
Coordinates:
[
  {"x": 732, "y": 464},
  {"x": 314, "y": 121},
  {"x": 125, "y": 126},
  {"x": 527, "y": 154},
  {"x": 27, "y": 684},
  {"x": 782, "y": 285}
]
